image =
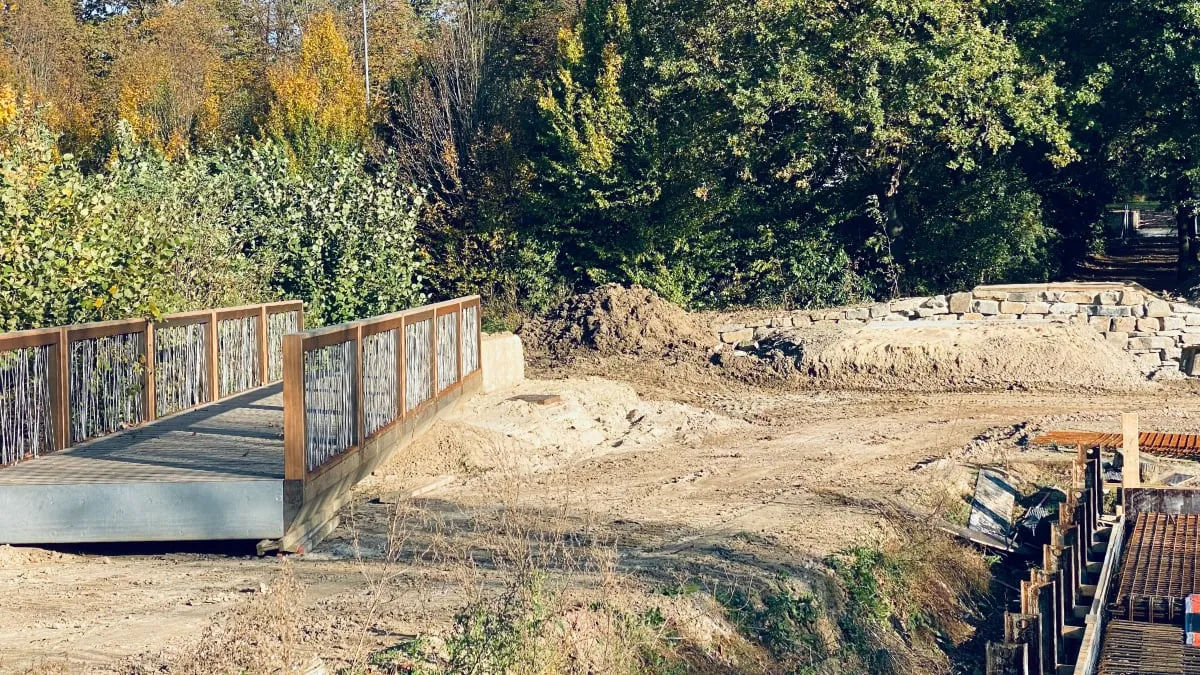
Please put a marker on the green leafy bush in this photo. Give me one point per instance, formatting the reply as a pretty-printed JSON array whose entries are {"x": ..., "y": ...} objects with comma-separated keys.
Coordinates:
[
  {"x": 145, "y": 236},
  {"x": 335, "y": 235},
  {"x": 130, "y": 240}
]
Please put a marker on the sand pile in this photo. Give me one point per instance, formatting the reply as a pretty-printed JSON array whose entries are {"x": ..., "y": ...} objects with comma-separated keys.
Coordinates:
[
  {"x": 615, "y": 320},
  {"x": 921, "y": 356}
]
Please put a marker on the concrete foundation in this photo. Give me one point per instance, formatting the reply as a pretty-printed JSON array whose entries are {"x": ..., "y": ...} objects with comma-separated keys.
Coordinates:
[{"x": 503, "y": 361}]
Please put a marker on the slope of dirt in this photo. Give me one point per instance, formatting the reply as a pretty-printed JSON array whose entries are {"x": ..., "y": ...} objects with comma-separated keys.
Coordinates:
[
  {"x": 613, "y": 320},
  {"x": 945, "y": 356},
  {"x": 692, "y": 494},
  {"x": 508, "y": 432}
]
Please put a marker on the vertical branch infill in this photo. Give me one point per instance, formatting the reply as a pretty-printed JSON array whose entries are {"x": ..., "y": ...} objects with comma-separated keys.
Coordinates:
[
  {"x": 107, "y": 380},
  {"x": 419, "y": 359},
  {"x": 330, "y": 397},
  {"x": 26, "y": 427},
  {"x": 470, "y": 339},
  {"x": 238, "y": 353},
  {"x": 380, "y": 380},
  {"x": 180, "y": 367}
]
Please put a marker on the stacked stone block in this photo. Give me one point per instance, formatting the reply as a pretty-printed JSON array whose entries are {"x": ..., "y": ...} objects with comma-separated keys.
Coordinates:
[{"x": 1155, "y": 331}]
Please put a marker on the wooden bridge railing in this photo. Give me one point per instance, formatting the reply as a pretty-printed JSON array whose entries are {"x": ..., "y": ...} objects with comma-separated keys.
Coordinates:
[
  {"x": 346, "y": 384},
  {"x": 63, "y": 386}
]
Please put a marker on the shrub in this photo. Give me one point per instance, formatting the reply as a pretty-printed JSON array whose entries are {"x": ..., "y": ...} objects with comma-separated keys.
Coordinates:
[
  {"x": 134, "y": 239},
  {"x": 146, "y": 236}
]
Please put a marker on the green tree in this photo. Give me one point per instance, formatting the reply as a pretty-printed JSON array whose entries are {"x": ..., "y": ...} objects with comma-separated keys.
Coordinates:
[
  {"x": 1134, "y": 66},
  {"x": 682, "y": 133}
]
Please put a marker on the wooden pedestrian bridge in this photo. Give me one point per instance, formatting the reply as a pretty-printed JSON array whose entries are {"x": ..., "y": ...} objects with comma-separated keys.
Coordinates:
[{"x": 220, "y": 424}]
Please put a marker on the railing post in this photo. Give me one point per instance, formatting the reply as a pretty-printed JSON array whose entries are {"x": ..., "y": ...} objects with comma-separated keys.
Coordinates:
[
  {"x": 434, "y": 387},
  {"x": 359, "y": 408},
  {"x": 214, "y": 371},
  {"x": 263, "y": 348},
  {"x": 401, "y": 369},
  {"x": 60, "y": 399},
  {"x": 295, "y": 466},
  {"x": 148, "y": 386},
  {"x": 458, "y": 354}
]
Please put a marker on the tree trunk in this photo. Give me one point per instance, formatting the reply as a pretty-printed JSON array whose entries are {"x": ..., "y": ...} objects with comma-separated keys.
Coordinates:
[
  {"x": 1183, "y": 225},
  {"x": 1189, "y": 246}
]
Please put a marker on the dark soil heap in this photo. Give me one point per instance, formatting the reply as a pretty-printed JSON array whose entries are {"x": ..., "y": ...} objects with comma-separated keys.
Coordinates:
[{"x": 613, "y": 320}]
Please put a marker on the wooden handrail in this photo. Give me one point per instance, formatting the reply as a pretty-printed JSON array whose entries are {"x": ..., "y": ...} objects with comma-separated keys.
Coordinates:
[
  {"x": 24, "y": 339},
  {"x": 88, "y": 331},
  {"x": 60, "y": 339}
]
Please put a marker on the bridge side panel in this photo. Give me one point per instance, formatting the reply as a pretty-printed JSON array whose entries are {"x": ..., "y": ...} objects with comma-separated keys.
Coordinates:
[
  {"x": 314, "y": 503},
  {"x": 161, "y": 511}
]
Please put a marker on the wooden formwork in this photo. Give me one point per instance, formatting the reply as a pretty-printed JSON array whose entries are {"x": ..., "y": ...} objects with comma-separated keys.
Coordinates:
[{"x": 1045, "y": 636}]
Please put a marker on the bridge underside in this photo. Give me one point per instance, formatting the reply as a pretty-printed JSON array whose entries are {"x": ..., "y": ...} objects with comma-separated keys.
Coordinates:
[{"x": 214, "y": 472}]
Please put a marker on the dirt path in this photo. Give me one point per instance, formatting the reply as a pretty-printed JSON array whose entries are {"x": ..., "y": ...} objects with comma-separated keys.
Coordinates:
[
  {"x": 676, "y": 475},
  {"x": 1150, "y": 258}
]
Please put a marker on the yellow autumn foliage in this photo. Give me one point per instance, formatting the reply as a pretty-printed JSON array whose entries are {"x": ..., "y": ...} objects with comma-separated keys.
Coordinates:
[
  {"x": 317, "y": 98},
  {"x": 43, "y": 57},
  {"x": 169, "y": 84},
  {"x": 8, "y": 105}
]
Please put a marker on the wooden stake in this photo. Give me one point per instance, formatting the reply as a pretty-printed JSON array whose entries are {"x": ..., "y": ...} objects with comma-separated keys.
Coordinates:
[
  {"x": 1131, "y": 474},
  {"x": 264, "y": 352},
  {"x": 60, "y": 380}
]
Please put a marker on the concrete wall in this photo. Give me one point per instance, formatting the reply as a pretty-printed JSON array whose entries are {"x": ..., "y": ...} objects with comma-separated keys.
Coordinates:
[
  {"x": 1152, "y": 329},
  {"x": 503, "y": 361}
]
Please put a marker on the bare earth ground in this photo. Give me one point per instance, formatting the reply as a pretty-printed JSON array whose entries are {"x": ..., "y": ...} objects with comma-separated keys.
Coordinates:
[{"x": 693, "y": 475}]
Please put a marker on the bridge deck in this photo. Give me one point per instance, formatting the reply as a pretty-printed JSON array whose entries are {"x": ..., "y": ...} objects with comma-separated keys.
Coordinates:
[
  {"x": 238, "y": 438},
  {"x": 214, "y": 472}
]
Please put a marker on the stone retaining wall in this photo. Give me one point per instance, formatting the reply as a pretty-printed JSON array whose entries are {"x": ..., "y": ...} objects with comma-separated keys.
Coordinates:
[{"x": 1152, "y": 329}]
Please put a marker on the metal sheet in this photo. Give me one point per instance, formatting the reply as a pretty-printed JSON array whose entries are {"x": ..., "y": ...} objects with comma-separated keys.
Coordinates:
[
  {"x": 992, "y": 507},
  {"x": 118, "y": 512}
]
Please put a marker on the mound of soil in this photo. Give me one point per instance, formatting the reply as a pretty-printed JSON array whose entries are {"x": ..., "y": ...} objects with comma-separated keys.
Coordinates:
[
  {"x": 612, "y": 320},
  {"x": 952, "y": 356}
]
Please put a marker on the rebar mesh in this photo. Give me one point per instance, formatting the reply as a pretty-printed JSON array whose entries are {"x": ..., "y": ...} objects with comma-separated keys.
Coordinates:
[
  {"x": 26, "y": 428},
  {"x": 1161, "y": 568},
  {"x": 329, "y": 389},
  {"x": 106, "y": 377},
  {"x": 418, "y": 363},
  {"x": 279, "y": 325},
  {"x": 237, "y": 354},
  {"x": 180, "y": 367},
  {"x": 470, "y": 339},
  {"x": 447, "y": 350},
  {"x": 380, "y": 386}
]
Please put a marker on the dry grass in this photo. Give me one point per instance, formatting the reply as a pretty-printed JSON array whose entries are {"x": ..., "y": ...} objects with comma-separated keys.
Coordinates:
[
  {"x": 540, "y": 589},
  {"x": 525, "y": 590},
  {"x": 262, "y": 635},
  {"x": 46, "y": 667}
]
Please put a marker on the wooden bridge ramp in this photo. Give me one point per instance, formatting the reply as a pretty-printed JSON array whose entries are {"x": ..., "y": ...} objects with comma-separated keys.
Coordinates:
[{"x": 226, "y": 424}]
